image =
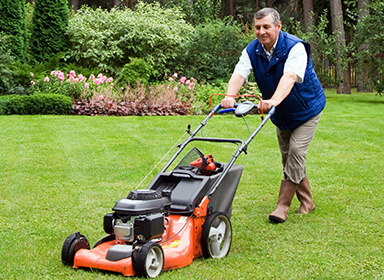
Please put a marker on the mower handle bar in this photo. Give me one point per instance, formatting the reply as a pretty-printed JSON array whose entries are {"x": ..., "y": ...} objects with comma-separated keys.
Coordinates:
[{"x": 242, "y": 147}]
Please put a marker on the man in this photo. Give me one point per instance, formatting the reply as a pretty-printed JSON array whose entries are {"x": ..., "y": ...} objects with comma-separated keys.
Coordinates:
[{"x": 283, "y": 70}]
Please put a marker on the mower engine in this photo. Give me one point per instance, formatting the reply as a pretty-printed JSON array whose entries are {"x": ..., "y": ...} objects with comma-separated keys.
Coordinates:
[{"x": 139, "y": 217}]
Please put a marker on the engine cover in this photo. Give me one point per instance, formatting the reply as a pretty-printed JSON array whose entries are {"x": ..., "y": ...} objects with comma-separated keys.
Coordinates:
[{"x": 142, "y": 202}]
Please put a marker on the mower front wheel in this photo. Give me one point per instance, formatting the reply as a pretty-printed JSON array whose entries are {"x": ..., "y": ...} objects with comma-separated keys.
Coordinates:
[
  {"x": 216, "y": 236},
  {"x": 148, "y": 261},
  {"x": 72, "y": 244}
]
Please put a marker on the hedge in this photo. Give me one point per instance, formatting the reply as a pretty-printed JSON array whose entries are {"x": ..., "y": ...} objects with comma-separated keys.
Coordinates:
[{"x": 39, "y": 104}]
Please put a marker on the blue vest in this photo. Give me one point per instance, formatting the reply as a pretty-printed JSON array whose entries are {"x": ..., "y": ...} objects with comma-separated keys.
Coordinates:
[{"x": 305, "y": 100}]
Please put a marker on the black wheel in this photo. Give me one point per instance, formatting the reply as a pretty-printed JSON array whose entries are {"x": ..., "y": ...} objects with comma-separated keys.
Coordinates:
[
  {"x": 216, "y": 236},
  {"x": 148, "y": 261},
  {"x": 72, "y": 244}
]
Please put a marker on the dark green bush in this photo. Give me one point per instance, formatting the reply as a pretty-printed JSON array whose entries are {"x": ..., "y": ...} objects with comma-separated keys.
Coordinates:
[
  {"x": 6, "y": 74},
  {"x": 214, "y": 50},
  {"x": 49, "y": 27},
  {"x": 13, "y": 23},
  {"x": 39, "y": 104},
  {"x": 137, "y": 70}
]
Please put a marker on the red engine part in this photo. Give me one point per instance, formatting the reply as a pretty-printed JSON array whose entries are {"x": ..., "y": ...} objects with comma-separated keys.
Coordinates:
[{"x": 206, "y": 163}]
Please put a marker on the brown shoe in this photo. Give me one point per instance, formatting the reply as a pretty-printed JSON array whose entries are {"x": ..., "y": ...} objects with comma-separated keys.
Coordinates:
[
  {"x": 303, "y": 194},
  {"x": 286, "y": 193}
]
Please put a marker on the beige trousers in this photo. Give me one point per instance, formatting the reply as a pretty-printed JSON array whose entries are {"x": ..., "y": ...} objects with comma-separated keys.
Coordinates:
[{"x": 293, "y": 147}]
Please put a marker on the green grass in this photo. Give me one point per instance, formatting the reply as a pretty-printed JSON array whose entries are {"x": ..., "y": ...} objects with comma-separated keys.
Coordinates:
[{"x": 61, "y": 174}]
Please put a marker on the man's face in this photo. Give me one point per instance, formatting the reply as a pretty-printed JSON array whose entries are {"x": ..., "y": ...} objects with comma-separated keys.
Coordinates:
[{"x": 266, "y": 31}]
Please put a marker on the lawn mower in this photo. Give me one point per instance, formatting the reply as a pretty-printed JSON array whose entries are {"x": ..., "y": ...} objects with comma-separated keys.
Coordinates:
[{"x": 183, "y": 214}]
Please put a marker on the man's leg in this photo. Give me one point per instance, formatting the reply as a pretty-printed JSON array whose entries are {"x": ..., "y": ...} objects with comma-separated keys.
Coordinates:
[{"x": 293, "y": 147}]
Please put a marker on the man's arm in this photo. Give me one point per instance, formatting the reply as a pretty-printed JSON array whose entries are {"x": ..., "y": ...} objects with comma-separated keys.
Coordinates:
[
  {"x": 284, "y": 87},
  {"x": 233, "y": 87}
]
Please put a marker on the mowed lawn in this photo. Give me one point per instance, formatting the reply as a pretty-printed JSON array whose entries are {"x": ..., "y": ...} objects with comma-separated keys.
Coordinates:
[{"x": 62, "y": 174}]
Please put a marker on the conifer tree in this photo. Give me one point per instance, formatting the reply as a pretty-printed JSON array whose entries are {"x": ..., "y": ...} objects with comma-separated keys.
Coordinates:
[
  {"x": 12, "y": 23},
  {"x": 49, "y": 26}
]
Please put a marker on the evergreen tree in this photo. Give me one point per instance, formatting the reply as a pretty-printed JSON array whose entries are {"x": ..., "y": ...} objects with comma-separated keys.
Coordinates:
[
  {"x": 12, "y": 23},
  {"x": 49, "y": 26}
]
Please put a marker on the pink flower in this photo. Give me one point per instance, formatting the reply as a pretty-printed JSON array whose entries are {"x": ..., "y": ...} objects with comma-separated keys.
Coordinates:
[
  {"x": 72, "y": 74},
  {"x": 92, "y": 77},
  {"x": 32, "y": 74},
  {"x": 81, "y": 78},
  {"x": 46, "y": 79},
  {"x": 97, "y": 81},
  {"x": 33, "y": 83},
  {"x": 175, "y": 89},
  {"x": 60, "y": 76},
  {"x": 174, "y": 75},
  {"x": 183, "y": 79},
  {"x": 187, "y": 82},
  {"x": 109, "y": 80},
  {"x": 100, "y": 98},
  {"x": 86, "y": 85},
  {"x": 170, "y": 79}
]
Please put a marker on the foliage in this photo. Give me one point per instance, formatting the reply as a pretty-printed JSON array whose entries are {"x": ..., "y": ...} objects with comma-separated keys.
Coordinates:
[
  {"x": 198, "y": 11},
  {"x": 73, "y": 85},
  {"x": 172, "y": 97},
  {"x": 106, "y": 40},
  {"x": 40, "y": 104},
  {"x": 6, "y": 58},
  {"x": 371, "y": 34},
  {"x": 322, "y": 46},
  {"x": 13, "y": 23},
  {"x": 49, "y": 26},
  {"x": 136, "y": 101},
  {"x": 213, "y": 50},
  {"x": 137, "y": 70}
]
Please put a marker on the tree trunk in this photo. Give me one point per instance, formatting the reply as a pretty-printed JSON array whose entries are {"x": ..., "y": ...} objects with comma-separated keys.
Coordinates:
[
  {"x": 342, "y": 74},
  {"x": 362, "y": 67},
  {"x": 115, "y": 4},
  {"x": 308, "y": 13},
  {"x": 74, "y": 4},
  {"x": 268, "y": 3},
  {"x": 231, "y": 8},
  {"x": 128, "y": 4}
]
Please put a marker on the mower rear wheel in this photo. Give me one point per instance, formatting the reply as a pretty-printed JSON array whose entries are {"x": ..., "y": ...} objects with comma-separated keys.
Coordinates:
[
  {"x": 216, "y": 236},
  {"x": 148, "y": 261},
  {"x": 72, "y": 244}
]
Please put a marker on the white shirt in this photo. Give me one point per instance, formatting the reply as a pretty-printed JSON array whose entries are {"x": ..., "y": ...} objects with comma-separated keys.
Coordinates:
[{"x": 296, "y": 62}]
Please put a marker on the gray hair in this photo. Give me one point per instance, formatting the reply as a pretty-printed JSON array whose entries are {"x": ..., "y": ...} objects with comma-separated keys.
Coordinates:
[{"x": 268, "y": 11}]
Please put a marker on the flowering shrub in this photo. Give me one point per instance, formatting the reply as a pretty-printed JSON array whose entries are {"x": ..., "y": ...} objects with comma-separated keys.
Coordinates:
[
  {"x": 159, "y": 100},
  {"x": 72, "y": 85},
  {"x": 98, "y": 95}
]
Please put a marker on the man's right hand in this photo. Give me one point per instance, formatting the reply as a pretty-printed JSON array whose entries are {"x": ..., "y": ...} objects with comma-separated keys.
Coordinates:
[{"x": 228, "y": 102}]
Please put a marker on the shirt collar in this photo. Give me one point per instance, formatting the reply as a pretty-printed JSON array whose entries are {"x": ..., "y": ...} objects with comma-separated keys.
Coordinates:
[{"x": 269, "y": 53}]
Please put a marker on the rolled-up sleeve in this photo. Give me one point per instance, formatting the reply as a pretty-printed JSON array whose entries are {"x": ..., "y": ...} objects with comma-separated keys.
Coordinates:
[
  {"x": 297, "y": 62},
  {"x": 243, "y": 66}
]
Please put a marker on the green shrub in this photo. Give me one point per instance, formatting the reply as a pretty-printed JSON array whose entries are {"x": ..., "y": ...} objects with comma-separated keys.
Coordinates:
[
  {"x": 137, "y": 70},
  {"x": 106, "y": 40},
  {"x": 73, "y": 85},
  {"x": 49, "y": 26},
  {"x": 39, "y": 104},
  {"x": 13, "y": 23},
  {"x": 214, "y": 50},
  {"x": 6, "y": 74},
  {"x": 197, "y": 11}
]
